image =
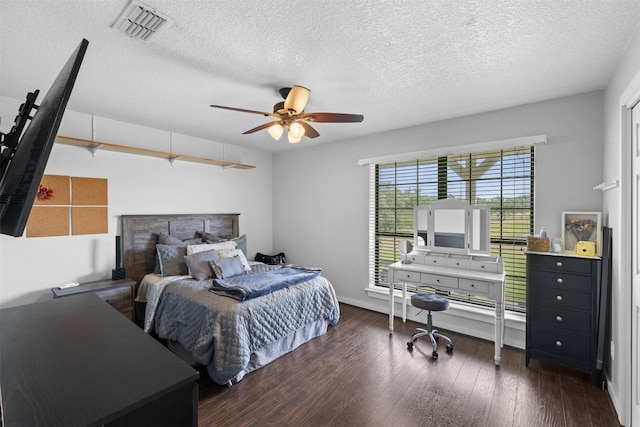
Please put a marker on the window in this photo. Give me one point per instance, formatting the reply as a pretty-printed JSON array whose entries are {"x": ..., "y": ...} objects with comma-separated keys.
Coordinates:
[{"x": 502, "y": 179}]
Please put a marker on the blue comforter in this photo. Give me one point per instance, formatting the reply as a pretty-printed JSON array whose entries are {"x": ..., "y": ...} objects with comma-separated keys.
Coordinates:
[{"x": 248, "y": 286}]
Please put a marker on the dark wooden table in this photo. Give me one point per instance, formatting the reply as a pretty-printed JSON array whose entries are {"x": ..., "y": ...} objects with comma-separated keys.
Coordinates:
[{"x": 78, "y": 362}]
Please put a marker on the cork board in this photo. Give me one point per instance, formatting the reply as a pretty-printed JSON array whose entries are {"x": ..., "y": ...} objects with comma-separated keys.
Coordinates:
[
  {"x": 89, "y": 191},
  {"x": 61, "y": 187},
  {"x": 78, "y": 206},
  {"x": 48, "y": 221},
  {"x": 89, "y": 220}
]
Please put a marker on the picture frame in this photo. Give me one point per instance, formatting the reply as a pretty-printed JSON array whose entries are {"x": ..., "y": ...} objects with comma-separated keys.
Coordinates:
[{"x": 581, "y": 227}]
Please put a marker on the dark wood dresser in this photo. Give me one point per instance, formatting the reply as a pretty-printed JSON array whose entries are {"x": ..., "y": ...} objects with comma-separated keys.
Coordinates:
[
  {"x": 77, "y": 362},
  {"x": 117, "y": 293},
  {"x": 563, "y": 313}
]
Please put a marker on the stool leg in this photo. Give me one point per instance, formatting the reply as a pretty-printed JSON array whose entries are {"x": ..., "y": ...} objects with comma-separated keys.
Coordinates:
[{"x": 433, "y": 334}]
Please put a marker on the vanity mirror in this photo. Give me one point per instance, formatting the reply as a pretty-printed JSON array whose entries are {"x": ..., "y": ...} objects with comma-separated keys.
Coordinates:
[
  {"x": 405, "y": 247},
  {"x": 452, "y": 226}
]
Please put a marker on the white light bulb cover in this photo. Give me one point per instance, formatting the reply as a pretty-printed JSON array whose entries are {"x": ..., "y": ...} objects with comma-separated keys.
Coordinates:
[
  {"x": 297, "y": 99},
  {"x": 296, "y": 130},
  {"x": 276, "y": 131},
  {"x": 293, "y": 139}
]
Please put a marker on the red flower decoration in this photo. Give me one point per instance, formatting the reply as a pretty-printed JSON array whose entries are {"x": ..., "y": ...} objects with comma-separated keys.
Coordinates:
[{"x": 44, "y": 193}]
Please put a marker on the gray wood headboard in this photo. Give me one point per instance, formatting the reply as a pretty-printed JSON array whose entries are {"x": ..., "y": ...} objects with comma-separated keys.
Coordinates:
[{"x": 140, "y": 235}]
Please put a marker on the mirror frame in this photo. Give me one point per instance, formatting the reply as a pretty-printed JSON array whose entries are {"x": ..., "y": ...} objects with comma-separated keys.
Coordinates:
[{"x": 476, "y": 233}]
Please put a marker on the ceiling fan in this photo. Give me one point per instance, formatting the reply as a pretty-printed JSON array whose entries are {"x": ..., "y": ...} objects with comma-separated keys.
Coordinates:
[{"x": 289, "y": 114}]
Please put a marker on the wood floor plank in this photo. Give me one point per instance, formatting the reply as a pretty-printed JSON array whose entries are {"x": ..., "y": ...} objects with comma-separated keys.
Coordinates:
[{"x": 358, "y": 374}]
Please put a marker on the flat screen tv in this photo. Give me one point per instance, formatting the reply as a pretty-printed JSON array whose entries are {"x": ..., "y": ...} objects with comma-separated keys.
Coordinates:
[{"x": 25, "y": 154}]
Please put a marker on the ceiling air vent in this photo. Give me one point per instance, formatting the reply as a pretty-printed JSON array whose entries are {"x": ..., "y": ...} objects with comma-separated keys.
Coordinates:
[{"x": 141, "y": 22}]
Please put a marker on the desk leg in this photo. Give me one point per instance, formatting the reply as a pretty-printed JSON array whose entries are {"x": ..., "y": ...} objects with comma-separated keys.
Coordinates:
[
  {"x": 391, "y": 302},
  {"x": 499, "y": 329},
  {"x": 404, "y": 302}
]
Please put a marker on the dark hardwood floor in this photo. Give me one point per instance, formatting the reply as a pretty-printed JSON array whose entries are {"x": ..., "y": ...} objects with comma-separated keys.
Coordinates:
[{"x": 359, "y": 375}]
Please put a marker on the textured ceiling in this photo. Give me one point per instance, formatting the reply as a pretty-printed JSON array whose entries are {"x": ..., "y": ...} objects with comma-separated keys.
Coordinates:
[{"x": 399, "y": 63}]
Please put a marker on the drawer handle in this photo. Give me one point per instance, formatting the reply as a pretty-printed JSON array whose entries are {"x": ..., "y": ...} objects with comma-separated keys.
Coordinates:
[
  {"x": 559, "y": 318},
  {"x": 559, "y": 297},
  {"x": 559, "y": 264},
  {"x": 473, "y": 285},
  {"x": 559, "y": 280},
  {"x": 558, "y": 343},
  {"x": 435, "y": 261}
]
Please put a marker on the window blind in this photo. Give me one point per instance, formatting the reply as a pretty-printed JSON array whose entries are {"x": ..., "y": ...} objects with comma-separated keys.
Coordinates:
[{"x": 502, "y": 179}]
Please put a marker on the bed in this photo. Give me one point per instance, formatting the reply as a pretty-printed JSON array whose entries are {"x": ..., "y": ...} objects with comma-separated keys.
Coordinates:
[{"x": 232, "y": 337}]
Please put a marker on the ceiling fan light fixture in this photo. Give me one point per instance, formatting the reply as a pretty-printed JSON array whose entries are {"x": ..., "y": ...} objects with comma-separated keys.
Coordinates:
[
  {"x": 296, "y": 130},
  {"x": 293, "y": 139},
  {"x": 297, "y": 100},
  {"x": 276, "y": 131}
]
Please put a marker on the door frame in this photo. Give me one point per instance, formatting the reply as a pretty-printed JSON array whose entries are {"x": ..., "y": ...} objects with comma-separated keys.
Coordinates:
[{"x": 629, "y": 98}]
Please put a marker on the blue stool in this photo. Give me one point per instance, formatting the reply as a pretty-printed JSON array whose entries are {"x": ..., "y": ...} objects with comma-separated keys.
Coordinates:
[{"x": 430, "y": 302}]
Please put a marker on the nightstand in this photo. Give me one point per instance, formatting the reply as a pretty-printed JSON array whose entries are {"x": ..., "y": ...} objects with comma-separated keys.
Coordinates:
[{"x": 117, "y": 293}]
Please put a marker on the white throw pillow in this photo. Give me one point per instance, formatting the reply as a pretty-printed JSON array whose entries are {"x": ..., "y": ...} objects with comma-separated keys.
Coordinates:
[
  {"x": 194, "y": 249},
  {"x": 230, "y": 253}
]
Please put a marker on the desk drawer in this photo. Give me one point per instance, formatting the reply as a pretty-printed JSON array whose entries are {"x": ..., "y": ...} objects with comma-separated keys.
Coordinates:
[
  {"x": 474, "y": 285},
  {"x": 407, "y": 276},
  {"x": 438, "y": 280},
  {"x": 435, "y": 259}
]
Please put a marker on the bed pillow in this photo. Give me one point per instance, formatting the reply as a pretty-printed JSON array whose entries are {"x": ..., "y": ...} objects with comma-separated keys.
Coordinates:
[
  {"x": 241, "y": 242},
  {"x": 171, "y": 260},
  {"x": 167, "y": 239},
  {"x": 230, "y": 253},
  {"x": 194, "y": 249},
  {"x": 198, "y": 264},
  {"x": 225, "y": 268}
]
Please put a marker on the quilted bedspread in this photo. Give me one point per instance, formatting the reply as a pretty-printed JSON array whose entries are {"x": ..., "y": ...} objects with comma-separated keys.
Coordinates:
[{"x": 221, "y": 332}]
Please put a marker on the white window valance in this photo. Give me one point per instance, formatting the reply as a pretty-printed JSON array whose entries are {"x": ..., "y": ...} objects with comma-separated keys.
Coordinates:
[{"x": 481, "y": 146}]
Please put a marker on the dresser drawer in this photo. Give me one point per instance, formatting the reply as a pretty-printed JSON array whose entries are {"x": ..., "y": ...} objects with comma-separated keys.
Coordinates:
[
  {"x": 438, "y": 280},
  {"x": 474, "y": 285},
  {"x": 560, "y": 343},
  {"x": 560, "y": 280},
  {"x": 570, "y": 320},
  {"x": 559, "y": 264},
  {"x": 559, "y": 298}
]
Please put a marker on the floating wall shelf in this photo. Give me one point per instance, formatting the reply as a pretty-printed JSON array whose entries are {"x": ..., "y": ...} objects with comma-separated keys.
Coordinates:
[{"x": 94, "y": 146}]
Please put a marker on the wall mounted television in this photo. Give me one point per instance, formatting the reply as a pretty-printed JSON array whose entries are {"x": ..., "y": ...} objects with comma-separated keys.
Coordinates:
[{"x": 24, "y": 155}]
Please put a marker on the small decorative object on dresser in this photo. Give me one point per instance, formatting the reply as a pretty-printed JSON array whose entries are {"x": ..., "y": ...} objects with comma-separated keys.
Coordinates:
[
  {"x": 581, "y": 227},
  {"x": 117, "y": 293}
]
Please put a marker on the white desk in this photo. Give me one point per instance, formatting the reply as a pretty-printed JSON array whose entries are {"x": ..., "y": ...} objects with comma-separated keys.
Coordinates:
[{"x": 442, "y": 277}]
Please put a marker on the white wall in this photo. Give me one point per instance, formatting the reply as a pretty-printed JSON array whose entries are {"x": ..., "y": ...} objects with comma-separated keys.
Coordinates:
[
  {"x": 29, "y": 267},
  {"x": 321, "y": 194},
  {"x": 624, "y": 86}
]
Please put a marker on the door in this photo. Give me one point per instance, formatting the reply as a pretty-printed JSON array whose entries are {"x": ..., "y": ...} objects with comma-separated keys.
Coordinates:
[{"x": 635, "y": 265}]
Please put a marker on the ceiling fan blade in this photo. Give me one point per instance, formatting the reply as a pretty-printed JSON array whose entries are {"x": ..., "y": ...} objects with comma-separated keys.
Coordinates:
[
  {"x": 332, "y": 117},
  {"x": 297, "y": 99},
  {"x": 242, "y": 110},
  {"x": 308, "y": 130},
  {"x": 261, "y": 127}
]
